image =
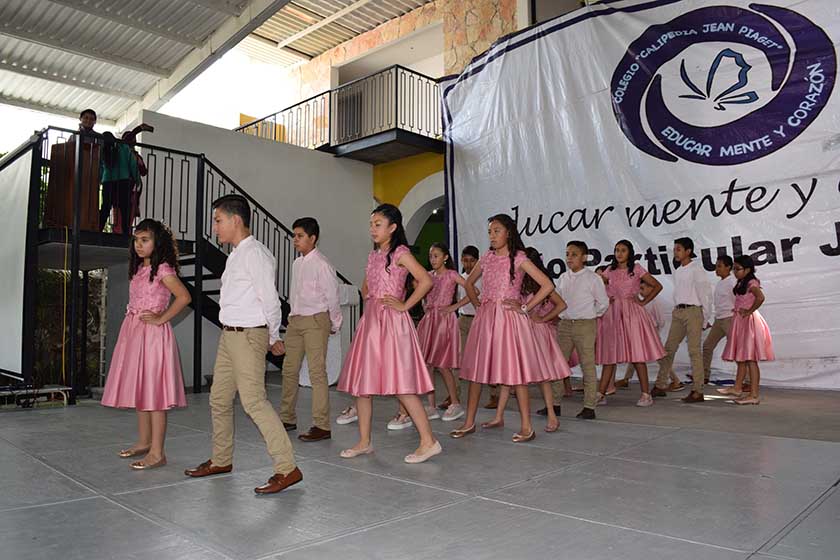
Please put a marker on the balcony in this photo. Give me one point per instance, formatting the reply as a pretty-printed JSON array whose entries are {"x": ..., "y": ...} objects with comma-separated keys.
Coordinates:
[{"x": 383, "y": 117}]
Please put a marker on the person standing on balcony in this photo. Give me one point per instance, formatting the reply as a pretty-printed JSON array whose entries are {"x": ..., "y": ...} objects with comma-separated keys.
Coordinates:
[
  {"x": 118, "y": 172},
  {"x": 315, "y": 314},
  {"x": 250, "y": 315},
  {"x": 87, "y": 120}
]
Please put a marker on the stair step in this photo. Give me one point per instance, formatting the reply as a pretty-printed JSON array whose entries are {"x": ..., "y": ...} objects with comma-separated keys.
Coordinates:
[
  {"x": 186, "y": 261},
  {"x": 208, "y": 276}
]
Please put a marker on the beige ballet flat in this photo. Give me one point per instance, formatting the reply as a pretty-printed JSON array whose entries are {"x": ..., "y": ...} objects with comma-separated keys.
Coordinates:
[
  {"x": 127, "y": 453},
  {"x": 142, "y": 466},
  {"x": 458, "y": 434},
  {"x": 415, "y": 458},
  {"x": 748, "y": 400},
  {"x": 350, "y": 453},
  {"x": 519, "y": 438}
]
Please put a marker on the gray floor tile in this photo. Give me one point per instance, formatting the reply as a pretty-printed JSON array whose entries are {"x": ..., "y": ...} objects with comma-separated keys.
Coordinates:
[
  {"x": 27, "y": 482},
  {"x": 489, "y": 530},
  {"x": 91, "y": 530},
  {"x": 470, "y": 465},
  {"x": 102, "y": 469},
  {"x": 816, "y": 537},
  {"x": 782, "y": 458},
  {"x": 732, "y": 511},
  {"x": 329, "y": 501}
]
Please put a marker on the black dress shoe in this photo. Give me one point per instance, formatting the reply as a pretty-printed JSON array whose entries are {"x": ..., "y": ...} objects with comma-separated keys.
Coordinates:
[
  {"x": 315, "y": 434},
  {"x": 290, "y": 427},
  {"x": 657, "y": 392},
  {"x": 693, "y": 397},
  {"x": 544, "y": 411},
  {"x": 586, "y": 414}
]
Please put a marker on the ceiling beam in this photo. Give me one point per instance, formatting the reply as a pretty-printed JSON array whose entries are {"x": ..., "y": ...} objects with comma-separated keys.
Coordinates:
[
  {"x": 52, "y": 76},
  {"x": 229, "y": 7},
  {"x": 326, "y": 21},
  {"x": 227, "y": 36},
  {"x": 116, "y": 16},
  {"x": 53, "y": 110},
  {"x": 272, "y": 43},
  {"x": 80, "y": 50}
]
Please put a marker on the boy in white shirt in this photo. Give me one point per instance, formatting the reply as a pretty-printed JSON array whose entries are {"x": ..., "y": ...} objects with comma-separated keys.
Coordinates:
[{"x": 724, "y": 309}]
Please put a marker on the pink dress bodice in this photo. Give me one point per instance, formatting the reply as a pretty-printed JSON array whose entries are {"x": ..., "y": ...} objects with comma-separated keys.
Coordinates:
[
  {"x": 745, "y": 301},
  {"x": 495, "y": 273},
  {"x": 381, "y": 282},
  {"x": 149, "y": 296},
  {"x": 621, "y": 284},
  {"x": 443, "y": 289}
]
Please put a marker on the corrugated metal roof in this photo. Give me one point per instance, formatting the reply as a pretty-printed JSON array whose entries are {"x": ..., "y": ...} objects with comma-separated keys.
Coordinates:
[
  {"x": 67, "y": 55},
  {"x": 63, "y": 40},
  {"x": 300, "y": 14}
]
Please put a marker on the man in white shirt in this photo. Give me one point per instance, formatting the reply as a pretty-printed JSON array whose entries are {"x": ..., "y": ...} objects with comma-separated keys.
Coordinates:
[
  {"x": 724, "y": 310},
  {"x": 315, "y": 313},
  {"x": 250, "y": 315},
  {"x": 692, "y": 310},
  {"x": 586, "y": 298}
]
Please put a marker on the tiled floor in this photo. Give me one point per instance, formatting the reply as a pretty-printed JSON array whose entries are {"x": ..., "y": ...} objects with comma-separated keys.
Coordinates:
[{"x": 595, "y": 490}]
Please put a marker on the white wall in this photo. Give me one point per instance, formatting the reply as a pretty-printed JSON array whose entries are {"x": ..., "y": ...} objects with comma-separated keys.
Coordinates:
[{"x": 289, "y": 182}]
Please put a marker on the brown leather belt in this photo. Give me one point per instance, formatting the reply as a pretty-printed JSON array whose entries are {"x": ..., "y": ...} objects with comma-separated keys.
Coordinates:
[
  {"x": 242, "y": 329},
  {"x": 685, "y": 306}
]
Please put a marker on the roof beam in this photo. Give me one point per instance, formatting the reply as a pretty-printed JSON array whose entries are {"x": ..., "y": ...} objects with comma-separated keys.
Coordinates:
[
  {"x": 63, "y": 111},
  {"x": 105, "y": 12},
  {"x": 272, "y": 43},
  {"x": 51, "y": 76},
  {"x": 229, "y": 7},
  {"x": 83, "y": 51},
  {"x": 326, "y": 21},
  {"x": 227, "y": 36}
]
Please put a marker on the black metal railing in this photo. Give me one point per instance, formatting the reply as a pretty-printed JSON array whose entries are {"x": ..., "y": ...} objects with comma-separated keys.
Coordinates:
[
  {"x": 396, "y": 98},
  {"x": 178, "y": 189},
  {"x": 305, "y": 124}
]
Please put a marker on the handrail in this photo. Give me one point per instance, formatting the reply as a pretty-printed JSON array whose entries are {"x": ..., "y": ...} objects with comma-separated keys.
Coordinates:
[
  {"x": 19, "y": 151},
  {"x": 290, "y": 107}
]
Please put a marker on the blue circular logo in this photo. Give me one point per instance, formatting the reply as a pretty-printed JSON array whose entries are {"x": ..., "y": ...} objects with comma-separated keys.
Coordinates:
[{"x": 724, "y": 108}]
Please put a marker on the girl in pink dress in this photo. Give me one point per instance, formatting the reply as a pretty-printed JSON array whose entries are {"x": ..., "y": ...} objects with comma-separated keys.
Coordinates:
[
  {"x": 145, "y": 371},
  {"x": 544, "y": 317},
  {"x": 749, "y": 340},
  {"x": 440, "y": 337},
  {"x": 628, "y": 335},
  {"x": 384, "y": 357},
  {"x": 502, "y": 345}
]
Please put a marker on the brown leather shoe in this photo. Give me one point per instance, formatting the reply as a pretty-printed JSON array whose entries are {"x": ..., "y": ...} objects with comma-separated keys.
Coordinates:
[
  {"x": 693, "y": 397},
  {"x": 315, "y": 434},
  {"x": 280, "y": 482},
  {"x": 207, "y": 468},
  {"x": 657, "y": 392},
  {"x": 492, "y": 404}
]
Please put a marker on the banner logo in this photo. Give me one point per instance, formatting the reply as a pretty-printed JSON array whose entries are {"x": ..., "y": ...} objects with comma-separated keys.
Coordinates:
[{"x": 723, "y": 85}]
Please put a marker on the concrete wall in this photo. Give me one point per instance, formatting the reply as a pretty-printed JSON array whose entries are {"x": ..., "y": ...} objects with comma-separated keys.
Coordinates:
[{"x": 289, "y": 182}]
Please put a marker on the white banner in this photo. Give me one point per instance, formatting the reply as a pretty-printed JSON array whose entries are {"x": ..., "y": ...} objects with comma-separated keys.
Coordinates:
[{"x": 712, "y": 119}]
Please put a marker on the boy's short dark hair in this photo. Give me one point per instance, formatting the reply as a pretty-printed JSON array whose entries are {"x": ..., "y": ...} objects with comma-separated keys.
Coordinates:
[
  {"x": 470, "y": 251},
  {"x": 309, "y": 225},
  {"x": 580, "y": 245},
  {"x": 726, "y": 260},
  {"x": 686, "y": 243},
  {"x": 234, "y": 205},
  {"x": 87, "y": 112}
]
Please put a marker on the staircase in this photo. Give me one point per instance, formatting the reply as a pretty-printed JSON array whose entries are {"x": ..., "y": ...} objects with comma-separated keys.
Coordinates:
[{"x": 179, "y": 190}]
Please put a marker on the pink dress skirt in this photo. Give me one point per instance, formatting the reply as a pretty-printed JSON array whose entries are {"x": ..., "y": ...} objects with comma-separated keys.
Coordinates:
[
  {"x": 502, "y": 349},
  {"x": 626, "y": 335},
  {"x": 440, "y": 338},
  {"x": 749, "y": 340},
  {"x": 145, "y": 372},
  {"x": 549, "y": 350},
  {"x": 384, "y": 357}
]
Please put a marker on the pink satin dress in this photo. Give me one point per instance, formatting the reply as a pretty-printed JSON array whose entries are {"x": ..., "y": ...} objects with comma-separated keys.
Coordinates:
[
  {"x": 440, "y": 337},
  {"x": 548, "y": 348},
  {"x": 145, "y": 371},
  {"x": 749, "y": 337},
  {"x": 502, "y": 345},
  {"x": 384, "y": 357}
]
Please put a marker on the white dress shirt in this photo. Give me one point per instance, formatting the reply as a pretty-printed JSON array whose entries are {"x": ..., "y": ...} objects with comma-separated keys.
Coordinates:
[
  {"x": 249, "y": 297},
  {"x": 725, "y": 297},
  {"x": 468, "y": 309},
  {"x": 584, "y": 294},
  {"x": 315, "y": 288},
  {"x": 691, "y": 287}
]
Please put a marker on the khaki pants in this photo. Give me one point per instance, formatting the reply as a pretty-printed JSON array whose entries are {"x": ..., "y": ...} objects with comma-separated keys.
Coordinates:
[
  {"x": 464, "y": 324},
  {"x": 718, "y": 332},
  {"x": 579, "y": 334},
  {"x": 685, "y": 322},
  {"x": 240, "y": 367},
  {"x": 307, "y": 335}
]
